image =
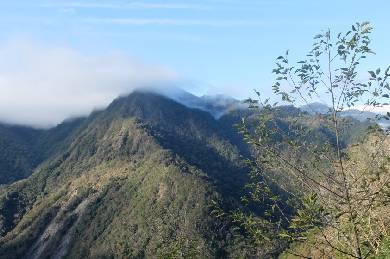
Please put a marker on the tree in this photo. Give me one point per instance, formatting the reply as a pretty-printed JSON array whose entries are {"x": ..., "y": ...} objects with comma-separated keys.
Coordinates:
[{"x": 339, "y": 191}]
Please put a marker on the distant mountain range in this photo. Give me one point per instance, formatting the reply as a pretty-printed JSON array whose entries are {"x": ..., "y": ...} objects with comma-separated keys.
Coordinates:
[{"x": 360, "y": 115}]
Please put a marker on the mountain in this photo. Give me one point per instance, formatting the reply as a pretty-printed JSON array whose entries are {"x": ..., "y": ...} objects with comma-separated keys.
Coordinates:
[
  {"x": 367, "y": 115},
  {"x": 361, "y": 115},
  {"x": 138, "y": 179},
  {"x": 314, "y": 108},
  {"x": 146, "y": 177},
  {"x": 216, "y": 105},
  {"x": 17, "y": 156},
  {"x": 24, "y": 148}
]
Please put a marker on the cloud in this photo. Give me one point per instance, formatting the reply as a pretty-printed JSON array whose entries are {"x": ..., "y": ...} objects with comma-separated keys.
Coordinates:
[
  {"x": 176, "y": 22},
  {"x": 131, "y": 5},
  {"x": 41, "y": 86},
  {"x": 210, "y": 5},
  {"x": 369, "y": 108}
]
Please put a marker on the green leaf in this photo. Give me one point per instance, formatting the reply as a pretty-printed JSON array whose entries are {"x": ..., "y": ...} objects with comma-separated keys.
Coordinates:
[
  {"x": 378, "y": 71},
  {"x": 373, "y": 75},
  {"x": 387, "y": 71}
]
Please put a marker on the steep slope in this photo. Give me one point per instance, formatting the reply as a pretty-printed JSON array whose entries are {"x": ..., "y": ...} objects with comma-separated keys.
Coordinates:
[
  {"x": 22, "y": 149},
  {"x": 135, "y": 180},
  {"x": 16, "y": 157}
]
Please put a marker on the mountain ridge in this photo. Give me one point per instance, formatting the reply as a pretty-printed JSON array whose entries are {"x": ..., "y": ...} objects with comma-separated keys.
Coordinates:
[
  {"x": 145, "y": 150},
  {"x": 146, "y": 177},
  {"x": 355, "y": 113}
]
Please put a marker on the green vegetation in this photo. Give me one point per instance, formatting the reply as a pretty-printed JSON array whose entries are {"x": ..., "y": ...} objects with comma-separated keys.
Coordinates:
[
  {"x": 139, "y": 179},
  {"x": 22, "y": 149},
  {"x": 338, "y": 188},
  {"x": 147, "y": 177},
  {"x": 16, "y": 158}
]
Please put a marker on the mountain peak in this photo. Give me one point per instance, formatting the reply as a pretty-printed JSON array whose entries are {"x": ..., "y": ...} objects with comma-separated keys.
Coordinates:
[
  {"x": 315, "y": 108},
  {"x": 216, "y": 105}
]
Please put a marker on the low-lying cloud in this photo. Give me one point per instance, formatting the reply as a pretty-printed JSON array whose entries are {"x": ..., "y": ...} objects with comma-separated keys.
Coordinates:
[{"x": 41, "y": 86}]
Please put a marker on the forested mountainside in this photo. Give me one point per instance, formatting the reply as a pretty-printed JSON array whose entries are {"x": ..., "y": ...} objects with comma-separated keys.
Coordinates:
[
  {"x": 24, "y": 148},
  {"x": 17, "y": 153},
  {"x": 134, "y": 180},
  {"x": 139, "y": 179}
]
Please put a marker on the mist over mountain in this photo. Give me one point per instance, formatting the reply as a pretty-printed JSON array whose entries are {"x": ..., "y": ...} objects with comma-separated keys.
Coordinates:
[
  {"x": 217, "y": 105},
  {"x": 316, "y": 107},
  {"x": 358, "y": 114},
  {"x": 42, "y": 85}
]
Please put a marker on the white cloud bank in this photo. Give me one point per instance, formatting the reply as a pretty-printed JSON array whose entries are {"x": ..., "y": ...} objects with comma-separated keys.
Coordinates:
[
  {"x": 41, "y": 86},
  {"x": 375, "y": 109}
]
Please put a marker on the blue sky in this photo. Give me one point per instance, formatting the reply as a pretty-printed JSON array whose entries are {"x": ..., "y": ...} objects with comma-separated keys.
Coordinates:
[{"x": 214, "y": 46}]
